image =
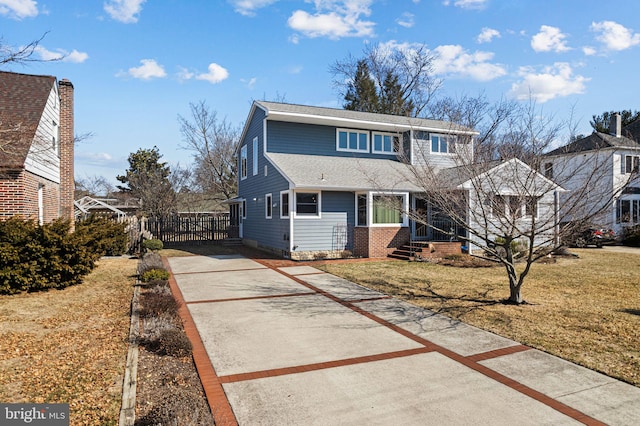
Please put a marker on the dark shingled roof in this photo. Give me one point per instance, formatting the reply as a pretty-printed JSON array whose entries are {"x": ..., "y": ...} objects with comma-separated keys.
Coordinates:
[
  {"x": 632, "y": 131},
  {"x": 595, "y": 141},
  {"x": 23, "y": 98}
]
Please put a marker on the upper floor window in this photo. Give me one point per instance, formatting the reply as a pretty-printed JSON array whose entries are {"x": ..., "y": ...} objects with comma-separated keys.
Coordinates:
[
  {"x": 443, "y": 144},
  {"x": 352, "y": 140},
  {"x": 631, "y": 164},
  {"x": 255, "y": 156},
  {"x": 514, "y": 207},
  {"x": 548, "y": 170},
  {"x": 386, "y": 143},
  {"x": 243, "y": 162}
]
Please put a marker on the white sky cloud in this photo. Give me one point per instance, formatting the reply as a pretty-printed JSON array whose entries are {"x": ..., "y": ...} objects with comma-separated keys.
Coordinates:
[
  {"x": 406, "y": 20},
  {"x": 487, "y": 34},
  {"x": 216, "y": 74},
  {"x": 148, "y": 70},
  {"x": 467, "y": 4},
  {"x": 249, "y": 83},
  {"x": 74, "y": 56},
  {"x": 125, "y": 11},
  {"x": 589, "y": 51},
  {"x": 549, "y": 39},
  {"x": 19, "y": 9},
  {"x": 454, "y": 60},
  {"x": 334, "y": 19},
  {"x": 552, "y": 82},
  {"x": 615, "y": 36},
  {"x": 249, "y": 7}
]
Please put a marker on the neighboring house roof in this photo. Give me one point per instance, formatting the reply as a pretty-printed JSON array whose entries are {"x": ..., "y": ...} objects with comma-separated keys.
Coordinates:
[
  {"x": 343, "y": 173},
  {"x": 23, "y": 98},
  {"x": 461, "y": 177},
  {"x": 632, "y": 130},
  {"x": 595, "y": 141}
]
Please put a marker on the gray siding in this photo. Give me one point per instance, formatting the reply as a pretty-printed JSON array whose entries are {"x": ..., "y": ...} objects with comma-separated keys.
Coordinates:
[
  {"x": 310, "y": 139},
  {"x": 338, "y": 214}
]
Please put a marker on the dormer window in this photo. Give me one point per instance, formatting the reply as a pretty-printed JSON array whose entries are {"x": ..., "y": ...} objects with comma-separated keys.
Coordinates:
[
  {"x": 352, "y": 140},
  {"x": 443, "y": 144}
]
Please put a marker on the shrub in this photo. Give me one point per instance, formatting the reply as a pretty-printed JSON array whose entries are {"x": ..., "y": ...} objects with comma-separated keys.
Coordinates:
[
  {"x": 152, "y": 244},
  {"x": 103, "y": 236},
  {"x": 150, "y": 261},
  {"x": 631, "y": 236},
  {"x": 156, "y": 303},
  {"x": 174, "y": 342},
  {"x": 34, "y": 258},
  {"x": 154, "y": 275}
]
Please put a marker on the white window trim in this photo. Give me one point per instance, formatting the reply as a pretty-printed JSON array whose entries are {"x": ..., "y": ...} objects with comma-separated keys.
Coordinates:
[
  {"x": 633, "y": 157},
  {"x": 393, "y": 151},
  {"x": 442, "y": 135},
  {"x": 243, "y": 162},
  {"x": 523, "y": 208},
  {"x": 405, "y": 209},
  {"x": 268, "y": 205},
  {"x": 282, "y": 216},
  {"x": 306, "y": 216},
  {"x": 364, "y": 132},
  {"x": 255, "y": 156},
  {"x": 358, "y": 194}
]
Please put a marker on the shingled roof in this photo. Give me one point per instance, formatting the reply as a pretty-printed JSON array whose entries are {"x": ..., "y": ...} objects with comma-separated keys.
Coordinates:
[
  {"x": 596, "y": 141},
  {"x": 23, "y": 98}
]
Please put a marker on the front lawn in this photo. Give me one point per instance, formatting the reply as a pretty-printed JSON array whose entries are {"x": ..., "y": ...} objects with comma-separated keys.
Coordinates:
[
  {"x": 585, "y": 310},
  {"x": 70, "y": 345}
]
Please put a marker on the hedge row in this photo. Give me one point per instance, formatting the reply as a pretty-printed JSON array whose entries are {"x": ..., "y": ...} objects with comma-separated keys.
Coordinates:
[{"x": 34, "y": 258}]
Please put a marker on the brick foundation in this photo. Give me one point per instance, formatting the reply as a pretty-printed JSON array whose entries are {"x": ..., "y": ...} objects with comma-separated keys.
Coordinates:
[
  {"x": 379, "y": 241},
  {"x": 19, "y": 196}
]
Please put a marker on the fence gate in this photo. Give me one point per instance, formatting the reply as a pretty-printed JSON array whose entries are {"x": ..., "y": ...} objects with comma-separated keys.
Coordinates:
[{"x": 181, "y": 230}]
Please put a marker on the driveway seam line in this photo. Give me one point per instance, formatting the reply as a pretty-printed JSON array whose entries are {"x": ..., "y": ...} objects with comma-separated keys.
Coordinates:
[
  {"x": 239, "y": 377},
  {"x": 237, "y": 299},
  {"x": 500, "y": 378}
]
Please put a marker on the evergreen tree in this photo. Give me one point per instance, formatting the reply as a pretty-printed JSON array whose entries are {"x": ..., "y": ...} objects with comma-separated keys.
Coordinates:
[
  {"x": 361, "y": 91},
  {"x": 392, "y": 98},
  {"x": 600, "y": 123}
]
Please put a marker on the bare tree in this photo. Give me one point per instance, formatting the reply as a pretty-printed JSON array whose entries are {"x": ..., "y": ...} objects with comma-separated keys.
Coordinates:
[
  {"x": 403, "y": 75},
  {"x": 94, "y": 186},
  {"x": 23, "y": 54},
  {"x": 213, "y": 143},
  {"x": 507, "y": 207}
]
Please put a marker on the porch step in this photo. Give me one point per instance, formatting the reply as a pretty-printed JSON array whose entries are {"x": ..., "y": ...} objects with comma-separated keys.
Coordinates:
[
  {"x": 425, "y": 249},
  {"x": 232, "y": 242}
]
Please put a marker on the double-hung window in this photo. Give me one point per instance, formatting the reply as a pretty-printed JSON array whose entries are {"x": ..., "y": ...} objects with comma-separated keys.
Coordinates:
[
  {"x": 377, "y": 209},
  {"x": 307, "y": 204},
  {"x": 631, "y": 164},
  {"x": 386, "y": 143},
  {"x": 352, "y": 140},
  {"x": 443, "y": 144},
  {"x": 284, "y": 204},
  {"x": 243, "y": 162},
  {"x": 514, "y": 207}
]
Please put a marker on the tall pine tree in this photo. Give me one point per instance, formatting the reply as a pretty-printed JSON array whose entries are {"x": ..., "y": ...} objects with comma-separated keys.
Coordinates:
[{"x": 362, "y": 94}]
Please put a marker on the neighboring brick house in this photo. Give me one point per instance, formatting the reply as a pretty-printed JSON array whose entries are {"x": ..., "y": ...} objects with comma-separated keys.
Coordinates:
[
  {"x": 316, "y": 182},
  {"x": 36, "y": 147}
]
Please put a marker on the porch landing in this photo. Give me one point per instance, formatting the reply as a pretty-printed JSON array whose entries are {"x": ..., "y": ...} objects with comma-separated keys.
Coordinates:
[{"x": 415, "y": 250}]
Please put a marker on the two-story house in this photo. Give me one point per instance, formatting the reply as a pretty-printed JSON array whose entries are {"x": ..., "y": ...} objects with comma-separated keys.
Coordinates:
[
  {"x": 316, "y": 182},
  {"x": 36, "y": 147},
  {"x": 602, "y": 169}
]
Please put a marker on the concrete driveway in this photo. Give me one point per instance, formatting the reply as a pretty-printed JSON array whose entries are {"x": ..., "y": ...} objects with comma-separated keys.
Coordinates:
[{"x": 296, "y": 346}]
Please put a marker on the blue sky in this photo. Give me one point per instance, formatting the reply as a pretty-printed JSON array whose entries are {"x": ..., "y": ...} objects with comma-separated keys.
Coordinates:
[{"x": 137, "y": 64}]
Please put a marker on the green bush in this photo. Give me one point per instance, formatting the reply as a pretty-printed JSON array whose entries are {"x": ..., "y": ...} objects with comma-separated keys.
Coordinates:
[
  {"x": 154, "y": 274},
  {"x": 152, "y": 244},
  {"x": 34, "y": 258},
  {"x": 103, "y": 235}
]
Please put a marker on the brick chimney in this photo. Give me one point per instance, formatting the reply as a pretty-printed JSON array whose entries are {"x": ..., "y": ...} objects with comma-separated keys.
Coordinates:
[
  {"x": 615, "y": 125},
  {"x": 67, "y": 183}
]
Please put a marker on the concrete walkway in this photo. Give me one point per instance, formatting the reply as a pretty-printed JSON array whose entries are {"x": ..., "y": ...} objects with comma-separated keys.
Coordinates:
[{"x": 296, "y": 346}]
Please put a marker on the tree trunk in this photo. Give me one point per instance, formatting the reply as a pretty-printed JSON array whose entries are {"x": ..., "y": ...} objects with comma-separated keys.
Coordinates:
[{"x": 514, "y": 294}]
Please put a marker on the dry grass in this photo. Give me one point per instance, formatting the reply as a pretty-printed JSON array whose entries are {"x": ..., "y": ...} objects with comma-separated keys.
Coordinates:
[
  {"x": 203, "y": 249},
  {"x": 69, "y": 346},
  {"x": 585, "y": 310}
]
